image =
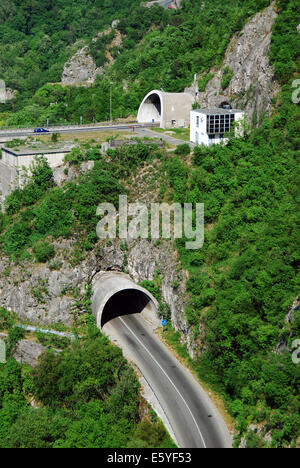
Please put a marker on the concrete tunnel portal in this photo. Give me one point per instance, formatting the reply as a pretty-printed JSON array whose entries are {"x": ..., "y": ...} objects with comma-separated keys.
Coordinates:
[
  {"x": 151, "y": 108},
  {"x": 116, "y": 295},
  {"x": 166, "y": 109}
]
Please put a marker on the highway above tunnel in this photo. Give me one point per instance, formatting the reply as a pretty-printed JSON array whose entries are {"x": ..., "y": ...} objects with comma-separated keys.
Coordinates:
[{"x": 194, "y": 420}]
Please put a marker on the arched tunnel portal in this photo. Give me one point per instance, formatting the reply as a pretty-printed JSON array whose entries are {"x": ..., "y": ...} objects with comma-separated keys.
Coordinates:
[
  {"x": 115, "y": 295},
  {"x": 151, "y": 108},
  {"x": 167, "y": 109}
]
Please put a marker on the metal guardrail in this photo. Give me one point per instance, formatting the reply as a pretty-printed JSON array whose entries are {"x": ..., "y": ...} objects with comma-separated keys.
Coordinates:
[
  {"x": 58, "y": 128},
  {"x": 67, "y": 124}
]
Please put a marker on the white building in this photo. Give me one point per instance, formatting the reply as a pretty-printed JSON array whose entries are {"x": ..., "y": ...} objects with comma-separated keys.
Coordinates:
[
  {"x": 13, "y": 161},
  {"x": 208, "y": 126}
]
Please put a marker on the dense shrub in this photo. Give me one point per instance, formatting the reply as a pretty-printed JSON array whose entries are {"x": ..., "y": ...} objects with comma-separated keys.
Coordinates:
[
  {"x": 90, "y": 399},
  {"x": 183, "y": 150},
  {"x": 43, "y": 251}
]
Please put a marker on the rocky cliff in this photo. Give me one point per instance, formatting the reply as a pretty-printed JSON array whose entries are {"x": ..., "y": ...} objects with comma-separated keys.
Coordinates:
[
  {"x": 81, "y": 68},
  {"x": 49, "y": 293},
  {"x": 251, "y": 84}
]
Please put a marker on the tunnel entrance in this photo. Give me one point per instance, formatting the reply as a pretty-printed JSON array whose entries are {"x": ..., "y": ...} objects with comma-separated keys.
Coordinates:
[
  {"x": 115, "y": 294},
  {"x": 150, "y": 109},
  {"x": 128, "y": 301}
]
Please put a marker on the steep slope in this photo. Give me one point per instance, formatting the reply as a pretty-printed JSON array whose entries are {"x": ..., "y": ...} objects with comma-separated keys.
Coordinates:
[
  {"x": 246, "y": 78},
  {"x": 36, "y": 38},
  {"x": 240, "y": 286},
  {"x": 159, "y": 49}
]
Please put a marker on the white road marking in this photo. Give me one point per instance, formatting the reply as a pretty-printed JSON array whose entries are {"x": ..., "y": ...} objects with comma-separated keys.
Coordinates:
[{"x": 167, "y": 378}]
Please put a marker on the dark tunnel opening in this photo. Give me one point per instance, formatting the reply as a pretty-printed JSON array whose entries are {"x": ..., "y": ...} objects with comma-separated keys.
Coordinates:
[
  {"x": 128, "y": 301},
  {"x": 155, "y": 100}
]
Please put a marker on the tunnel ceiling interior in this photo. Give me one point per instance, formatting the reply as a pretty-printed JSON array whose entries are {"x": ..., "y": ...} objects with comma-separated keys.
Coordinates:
[{"x": 151, "y": 109}]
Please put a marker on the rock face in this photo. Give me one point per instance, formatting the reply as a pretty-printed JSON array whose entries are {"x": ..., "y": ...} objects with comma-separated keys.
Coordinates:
[
  {"x": 28, "y": 352},
  {"x": 81, "y": 68},
  {"x": 41, "y": 295},
  {"x": 10, "y": 94},
  {"x": 252, "y": 86},
  {"x": 67, "y": 172},
  {"x": 36, "y": 293},
  {"x": 6, "y": 94}
]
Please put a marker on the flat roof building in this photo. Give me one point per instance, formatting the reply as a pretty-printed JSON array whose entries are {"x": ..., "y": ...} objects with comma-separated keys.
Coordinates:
[
  {"x": 208, "y": 126},
  {"x": 14, "y": 160}
]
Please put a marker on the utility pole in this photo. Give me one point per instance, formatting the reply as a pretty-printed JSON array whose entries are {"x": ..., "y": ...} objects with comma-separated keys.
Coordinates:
[{"x": 111, "y": 83}]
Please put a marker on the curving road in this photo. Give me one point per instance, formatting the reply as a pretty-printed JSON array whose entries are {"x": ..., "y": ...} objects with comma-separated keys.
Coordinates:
[{"x": 192, "y": 416}]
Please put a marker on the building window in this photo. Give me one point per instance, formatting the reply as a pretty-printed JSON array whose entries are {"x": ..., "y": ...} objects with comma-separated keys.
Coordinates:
[
  {"x": 197, "y": 137},
  {"x": 197, "y": 121},
  {"x": 219, "y": 123}
]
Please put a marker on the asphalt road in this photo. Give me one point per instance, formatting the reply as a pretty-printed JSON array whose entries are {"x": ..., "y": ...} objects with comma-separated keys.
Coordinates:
[
  {"x": 193, "y": 417},
  {"x": 27, "y": 132}
]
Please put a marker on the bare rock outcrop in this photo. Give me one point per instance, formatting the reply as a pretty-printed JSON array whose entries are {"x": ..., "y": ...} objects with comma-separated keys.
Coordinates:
[
  {"x": 81, "y": 68},
  {"x": 28, "y": 352},
  {"x": 43, "y": 295},
  {"x": 252, "y": 86}
]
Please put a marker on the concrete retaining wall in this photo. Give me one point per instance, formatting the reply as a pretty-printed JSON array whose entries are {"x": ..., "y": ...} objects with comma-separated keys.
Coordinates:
[{"x": 12, "y": 163}]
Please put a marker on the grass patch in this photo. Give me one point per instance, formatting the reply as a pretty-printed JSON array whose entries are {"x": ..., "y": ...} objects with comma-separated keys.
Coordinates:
[{"x": 180, "y": 133}]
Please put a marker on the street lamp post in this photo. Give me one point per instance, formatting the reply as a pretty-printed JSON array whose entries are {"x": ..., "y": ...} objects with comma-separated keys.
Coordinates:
[{"x": 111, "y": 83}]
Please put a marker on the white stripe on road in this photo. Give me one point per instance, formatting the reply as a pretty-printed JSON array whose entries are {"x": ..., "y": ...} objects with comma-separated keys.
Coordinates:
[{"x": 142, "y": 344}]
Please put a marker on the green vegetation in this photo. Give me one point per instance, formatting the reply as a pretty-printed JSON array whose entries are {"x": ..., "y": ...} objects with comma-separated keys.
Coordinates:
[
  {"x": 183, "y": 150},
  {"x": 160, "y": 49},
  {"x": 226, "y": 77},
  {"x": 86, "y": 396},
  {"x": 245, "y": 278}
]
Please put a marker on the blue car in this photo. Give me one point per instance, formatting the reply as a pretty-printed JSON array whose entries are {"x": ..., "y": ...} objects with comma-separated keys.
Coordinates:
[{"x": 41, "y": 130}]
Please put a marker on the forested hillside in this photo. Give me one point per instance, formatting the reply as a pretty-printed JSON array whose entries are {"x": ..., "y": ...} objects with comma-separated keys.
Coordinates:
[
  {"x": 245, "y": 279},
  {"x": 160, "y": 49},
  {"x": 241, "y": 284},
  {"x": 84, "y": 396},
  {"x": 36, "y": 37}
]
